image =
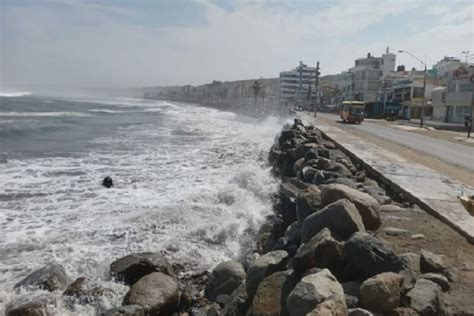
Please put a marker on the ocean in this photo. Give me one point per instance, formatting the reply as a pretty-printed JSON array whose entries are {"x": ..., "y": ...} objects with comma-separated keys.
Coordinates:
[{"x": 190, "y": 182}]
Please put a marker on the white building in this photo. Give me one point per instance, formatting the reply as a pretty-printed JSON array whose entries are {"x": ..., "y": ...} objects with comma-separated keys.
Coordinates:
[
  {"x": 446, "y": 65},
  {"x": 295, "y": 85},
  {"x": 367, "y": 75}
]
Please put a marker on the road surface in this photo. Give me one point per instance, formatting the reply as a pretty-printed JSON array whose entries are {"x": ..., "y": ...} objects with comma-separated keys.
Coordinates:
[{"x": 457, "y": 154}]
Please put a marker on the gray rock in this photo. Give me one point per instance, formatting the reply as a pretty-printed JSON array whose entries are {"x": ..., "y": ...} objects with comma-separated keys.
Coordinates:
[
  {"x": 430, "y": 262},
  {"x": 367, "y": 206},
  {"x": 238, "y": 303},
  {"x": 37, "y": 306},
  {"x": 131, "y": 268},
  {"x": 351, "y": 301},
  {"x": 411, "y": 261},
  {"x": 329, "y": 307},
  {"x": 352, "y": 288},
  {"x": 298, "y": 165},
  {"x": 127, "y": 310},
  {"x": 439, "y": 279},
  {"x": 425, "y": 297},
  {"x": 308, "y": 173},
  {"x": 367, "y": 256},
  {"x": 264, "y": 266},
  {"x": 288, "y": 210},
  {"x": 302, "y": 149},
  {"x": 156, "y": 292},
  {"x": 345, "y": 181},
  {"x": 51, "y": 277},
  {"x": 308, "y": 202},
  {"x": 271, "y": 295},
  {"x": 82, "y": 291},
  {"x": 265, "y": 241},
  {"x": 312, "y": 290},
  {"x": 321, "y": 251},
  {"x": 225, "y": 279},
  {"x": 359, "y": 312},
  {"x": 381, "y": 293},
  {"x": 341, "y": 217},
  {"x": 417, "y": 236}
]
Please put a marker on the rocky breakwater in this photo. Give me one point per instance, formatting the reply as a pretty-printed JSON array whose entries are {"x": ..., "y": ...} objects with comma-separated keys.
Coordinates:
[{"x": 316, "y": 255}]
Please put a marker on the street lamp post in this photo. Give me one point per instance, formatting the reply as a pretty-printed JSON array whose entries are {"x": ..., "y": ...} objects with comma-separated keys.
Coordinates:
[{"x": 424, "y": 84}]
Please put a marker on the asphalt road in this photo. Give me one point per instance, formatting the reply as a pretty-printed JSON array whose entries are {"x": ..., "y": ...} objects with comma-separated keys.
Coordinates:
[{"x": 450, "y": 152}]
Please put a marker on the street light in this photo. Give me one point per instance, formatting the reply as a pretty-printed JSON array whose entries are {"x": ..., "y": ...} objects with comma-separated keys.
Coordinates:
[{"x": 424, "y": 84}]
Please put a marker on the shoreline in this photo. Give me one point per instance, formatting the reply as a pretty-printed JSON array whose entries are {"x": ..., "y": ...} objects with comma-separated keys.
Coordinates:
[{"x": 323, "y": 236}]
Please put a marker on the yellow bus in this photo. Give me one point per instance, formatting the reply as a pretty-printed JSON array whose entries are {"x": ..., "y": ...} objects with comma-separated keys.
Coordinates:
[{"x": 352, "y": 111}]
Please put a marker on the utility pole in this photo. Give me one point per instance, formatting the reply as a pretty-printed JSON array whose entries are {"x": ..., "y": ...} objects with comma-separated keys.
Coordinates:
[
  {"x": 384, "y": 96},
  {"x": 472, "y": 106},
  {"x": 424, "y": 98},
  {"x": 316, "y": 88}
]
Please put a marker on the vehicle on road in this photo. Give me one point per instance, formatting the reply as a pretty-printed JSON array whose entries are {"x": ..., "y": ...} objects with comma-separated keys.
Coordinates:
[{"x": 352, "y": 111}]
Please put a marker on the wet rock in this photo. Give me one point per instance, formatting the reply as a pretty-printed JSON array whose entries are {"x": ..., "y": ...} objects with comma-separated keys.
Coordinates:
[
  {"x": 107, "y": 182},
  {"x": 425, "y": 297},
  {"x": 359, "y": 312},
  {"x": 271, "y": 295},
  {"x": 439, "y": 279},
  {"x": 288, "y": 210},
  {"x": 329, "y": 307},
  {"x": 298, "y": 165},
  {"x": 131, "y": 268},
  {"x": 291, "y": 187},
  {"x": 37, "y": 306},
  {"x": 351, "y": 301},
  {"x": 367, "y": 256},
  {"x": 308, "y": 173},
  {"x": 381, "y": 293},
  {"x": 51, "y": 277},
  {"x": 127, "y": 310},
  {"x": 341, "y": 217},
  {"x": 238, "y": 302},
  {"x": 302, "y": 149},
  {"x": 82, "y": 291},
  {"x": 307, "y": 202},
  {"x": 264, "y": 266},
  {"x": 324, "y": 152},
  {"x": 431, "y": 262},
  {"x": 312, "y": 290},
  {"x": 311, "y": 154},
  {"x": 321, "y": 251},
  {"x": 367, "y": 206},
  {"x": 225, "y": 279},
  {"x": 156, "y": 292}
]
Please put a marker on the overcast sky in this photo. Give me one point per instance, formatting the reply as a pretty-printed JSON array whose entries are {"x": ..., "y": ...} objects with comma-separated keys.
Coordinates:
[{"x": 167, "y": 42}]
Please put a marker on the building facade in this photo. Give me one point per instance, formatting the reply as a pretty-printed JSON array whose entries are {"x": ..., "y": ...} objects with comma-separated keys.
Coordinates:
[{"x": 298, "y": 84}]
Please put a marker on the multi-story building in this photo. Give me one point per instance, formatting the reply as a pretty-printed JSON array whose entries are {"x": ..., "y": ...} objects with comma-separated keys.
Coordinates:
[
  {"x": 446, "y": 65},
  {"x": 298, "y": 84},
  {"x": 366, "y": 76}
]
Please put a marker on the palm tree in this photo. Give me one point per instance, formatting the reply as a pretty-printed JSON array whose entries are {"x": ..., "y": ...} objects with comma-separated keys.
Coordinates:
[{"x": 257, "y": 86}]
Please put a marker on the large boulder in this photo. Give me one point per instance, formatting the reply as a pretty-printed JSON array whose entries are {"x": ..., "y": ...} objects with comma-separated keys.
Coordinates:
[
  {"x": 329, "y": 307},
  {"x": 367, "y": 256},
  {"x": 224, "y": 279},
  {"x": 131, "y": 268},
  {"x": 425, "y": 297},
  {"x": 238, "y": 303},
  {"x": 321, "y": 251},
  {"x": 128, "y": 310},
  {"x": 437, "y": 278},
  {"x": 430, "y": 262},
  {"x": 302, "y": 149},
  {"x": 271, "y": 295},
  {"x": 307, "y": 202},
  {"x": 156, "y": 292},
  {"x": 367, "y": 206},
  {"x": 313, "y": 290},
  {"x": 287, "y": 210},
  {"x": 42, "y": 305},
  {"x": 264, "y": 266},
  {"x": 51, "y": 277},
  {"x": 341, "y": 217},
  {"x": 381, "y": 293},
  {"x": 83, "y": 291}
]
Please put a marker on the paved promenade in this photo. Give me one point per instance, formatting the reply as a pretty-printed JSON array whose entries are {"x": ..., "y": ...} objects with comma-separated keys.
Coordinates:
[{"x": 437, "y": 194}]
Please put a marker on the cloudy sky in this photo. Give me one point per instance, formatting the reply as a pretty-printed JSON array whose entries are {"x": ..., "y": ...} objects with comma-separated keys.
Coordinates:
[{"x": 167, "y": 42}]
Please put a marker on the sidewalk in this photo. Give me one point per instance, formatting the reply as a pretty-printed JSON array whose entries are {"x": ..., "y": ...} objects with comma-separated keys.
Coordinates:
[{"x": 436, "y": 194}]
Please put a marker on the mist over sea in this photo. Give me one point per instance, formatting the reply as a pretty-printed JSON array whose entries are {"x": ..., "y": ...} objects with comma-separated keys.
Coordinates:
[{"x": 190, "y": 182}]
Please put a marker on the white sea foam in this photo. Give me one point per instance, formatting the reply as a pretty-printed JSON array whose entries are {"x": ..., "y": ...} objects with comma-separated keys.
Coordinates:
[
  {"x": 193, "y": 194},
  {"x": 14, "y": 94},
  {"x": 48, "y": 114}
]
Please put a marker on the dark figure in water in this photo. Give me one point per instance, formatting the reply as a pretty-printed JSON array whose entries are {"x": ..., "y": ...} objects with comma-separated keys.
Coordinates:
[{"x": 107, "y": 182}]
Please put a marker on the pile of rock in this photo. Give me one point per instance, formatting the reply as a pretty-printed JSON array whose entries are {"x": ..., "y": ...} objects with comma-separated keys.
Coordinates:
[{"x": 315, "y": 256}]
